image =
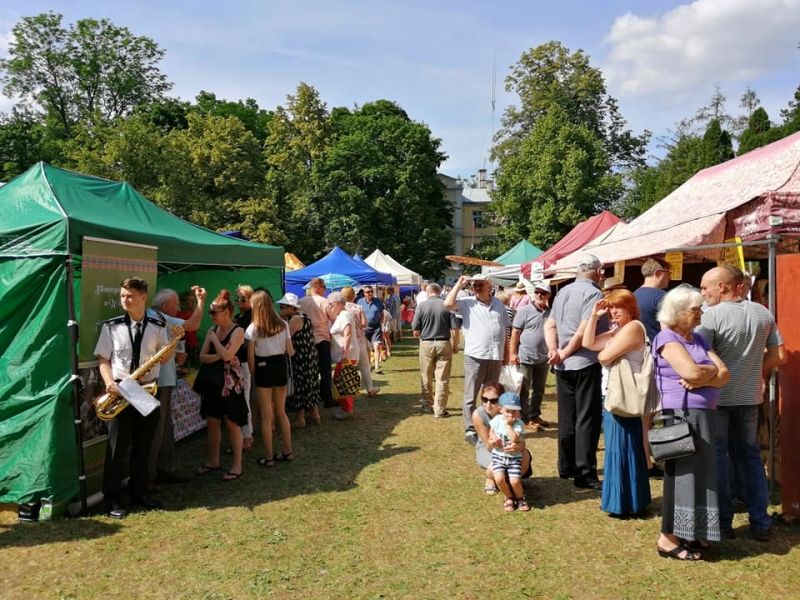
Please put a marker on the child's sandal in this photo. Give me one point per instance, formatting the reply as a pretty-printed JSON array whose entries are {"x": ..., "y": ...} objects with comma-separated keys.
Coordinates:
[{"x": 509, "y": 505}]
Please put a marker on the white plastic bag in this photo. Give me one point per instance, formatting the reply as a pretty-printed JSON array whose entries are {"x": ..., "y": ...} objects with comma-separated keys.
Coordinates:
[{"x": 511, "y": 378}]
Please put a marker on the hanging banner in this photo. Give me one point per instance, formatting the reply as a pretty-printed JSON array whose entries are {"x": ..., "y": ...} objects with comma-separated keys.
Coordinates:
[
  {"x": 733, "y": 255},
  {"x": 105, "y": 264},
  {"x": 675, "y": 260}
]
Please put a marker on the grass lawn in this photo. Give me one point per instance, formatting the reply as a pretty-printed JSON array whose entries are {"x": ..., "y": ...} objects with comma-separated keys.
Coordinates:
[{"x": 386, "y": 505}]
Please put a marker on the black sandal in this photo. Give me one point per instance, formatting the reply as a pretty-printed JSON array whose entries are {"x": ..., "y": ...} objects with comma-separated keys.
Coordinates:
[
  {"x": 285, "y": 457},
  {"x": 266, "y": 462},
  {"x": 230, "y": 476},
  {"x": 206, "y": 469},
  {"x": 676, "y": 553}
]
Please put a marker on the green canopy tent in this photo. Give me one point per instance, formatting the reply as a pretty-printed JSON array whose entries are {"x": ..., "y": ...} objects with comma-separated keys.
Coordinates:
[
  {"x": 523, "y": 252},
  {"x": 45, "y": 214},
  {"x": 508, "y": 275}
]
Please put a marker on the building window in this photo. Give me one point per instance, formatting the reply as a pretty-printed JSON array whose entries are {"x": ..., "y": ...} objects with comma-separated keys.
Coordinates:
[{"x": 478, "y": 220}]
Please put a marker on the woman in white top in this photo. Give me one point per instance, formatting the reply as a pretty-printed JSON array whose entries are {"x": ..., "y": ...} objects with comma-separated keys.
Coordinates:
[
  {"x": 270, "y": 342},
  {"x": 626, "y": 485},
  {"x": 344, "y": 345}
]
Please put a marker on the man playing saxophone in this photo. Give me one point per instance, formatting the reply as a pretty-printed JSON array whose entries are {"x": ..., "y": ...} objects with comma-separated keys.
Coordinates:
[{"x": 125, "y": 343}]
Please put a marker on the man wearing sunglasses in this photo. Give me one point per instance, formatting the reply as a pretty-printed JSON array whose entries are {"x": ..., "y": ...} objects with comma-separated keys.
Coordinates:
[
  {"x": 485, "y": 323},
  {"x": 315, "y": 305}
]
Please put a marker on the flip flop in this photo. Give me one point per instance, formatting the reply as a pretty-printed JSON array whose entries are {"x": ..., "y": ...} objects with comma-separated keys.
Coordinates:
[
  {"x": 206, "y": 469},
  {"x": 285, "y": 457},
  {"x": 266, "y": 462},
  {"x": 230, "y": 476},
  {"x": 676, "y": 553}
]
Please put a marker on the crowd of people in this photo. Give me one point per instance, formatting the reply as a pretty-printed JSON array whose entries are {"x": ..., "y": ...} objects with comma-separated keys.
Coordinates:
[
  {"x": 705, "y": 352},
  {"x": 711, "y": 351},
  {"x": 260, "y": 357}
]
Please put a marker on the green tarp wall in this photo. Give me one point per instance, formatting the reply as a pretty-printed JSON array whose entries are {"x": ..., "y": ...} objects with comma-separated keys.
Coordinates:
[
  {"x": 38, "y": 452},
  {"x": 44, "y": 215}
]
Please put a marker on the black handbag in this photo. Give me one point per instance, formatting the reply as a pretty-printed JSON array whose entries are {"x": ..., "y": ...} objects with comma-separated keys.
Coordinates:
[{"x": 673, "y": 440}]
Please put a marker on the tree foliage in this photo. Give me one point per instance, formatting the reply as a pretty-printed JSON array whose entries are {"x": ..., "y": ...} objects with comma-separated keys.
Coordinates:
[
  {"x": 558, "y": 149},
  {"x": 378, "y": 187},
  {"x": 92, "y": 70},
  {"x": 550, "y": 75}
]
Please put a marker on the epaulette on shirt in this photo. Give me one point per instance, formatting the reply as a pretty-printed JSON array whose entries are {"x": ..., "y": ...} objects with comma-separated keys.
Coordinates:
[
  {"x": 115, "y": 320},
  {"x": 156, "y": 321}
]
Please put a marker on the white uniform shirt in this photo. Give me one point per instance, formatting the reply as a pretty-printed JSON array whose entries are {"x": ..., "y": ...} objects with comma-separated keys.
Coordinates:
[{"x": 116, "y": 345}]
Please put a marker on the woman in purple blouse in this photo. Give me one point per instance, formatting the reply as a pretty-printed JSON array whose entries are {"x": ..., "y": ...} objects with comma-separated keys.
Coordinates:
[{"x": 687, "y": 370}]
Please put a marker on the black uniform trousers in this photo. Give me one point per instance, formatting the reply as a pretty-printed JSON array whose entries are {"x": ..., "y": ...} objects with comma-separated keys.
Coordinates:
[
  {"x": 130, "y": 438},
  {"x": 579, "y": 417}
]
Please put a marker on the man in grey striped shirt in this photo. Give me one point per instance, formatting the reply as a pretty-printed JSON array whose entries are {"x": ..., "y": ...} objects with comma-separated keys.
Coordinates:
[{"x": 746, "y": 338}]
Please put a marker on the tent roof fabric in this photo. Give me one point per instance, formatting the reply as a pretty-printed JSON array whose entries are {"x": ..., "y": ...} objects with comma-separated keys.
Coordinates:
[
  {"x": 523, "y": 252},
  {"x": 47, "y": 210},
  {"x": 695, "y": 213},
  {"x": 383, "y": 262},
  {"x": 576, "y": 239},
  {"x": 336, "y": 261}
]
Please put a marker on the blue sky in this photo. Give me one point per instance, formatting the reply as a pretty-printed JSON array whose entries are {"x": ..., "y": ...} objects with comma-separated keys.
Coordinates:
[{"x": 661, "y": 59}]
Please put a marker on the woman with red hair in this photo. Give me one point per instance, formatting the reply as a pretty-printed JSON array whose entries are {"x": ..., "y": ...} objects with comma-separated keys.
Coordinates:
[{"x": 626, "y": 486}]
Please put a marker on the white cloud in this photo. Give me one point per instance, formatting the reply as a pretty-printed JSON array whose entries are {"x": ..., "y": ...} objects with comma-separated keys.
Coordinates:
[{"x": 697, "y": 44}]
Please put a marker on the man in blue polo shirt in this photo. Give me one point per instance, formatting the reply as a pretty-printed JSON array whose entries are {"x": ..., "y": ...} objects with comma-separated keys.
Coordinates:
[{"x": 373, "y": 311}]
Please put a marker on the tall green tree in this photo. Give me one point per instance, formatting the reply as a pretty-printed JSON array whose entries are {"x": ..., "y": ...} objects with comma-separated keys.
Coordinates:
[
  {"x": 298, "y": 138},
  {"x": 378, "y": 187},
  {"x": 560, "y": 150},
  {"x": 210, "y": 170},
  {"x": 24, "y": 140},
  {"x": 560, "y": 175},
  {"x": 90, "y": 70},
  {"x": 254, "y": 118},
  {"x": 550, "y": 75}
]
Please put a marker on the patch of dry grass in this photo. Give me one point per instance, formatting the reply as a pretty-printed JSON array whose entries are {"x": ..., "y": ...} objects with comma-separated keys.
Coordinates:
[{"x": 387, "y": 505}]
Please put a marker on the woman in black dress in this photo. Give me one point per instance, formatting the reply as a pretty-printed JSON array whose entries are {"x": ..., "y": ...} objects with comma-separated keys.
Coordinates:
[
  {"x": 305, "y": 370},
  {"x": 222, "y": 395}
]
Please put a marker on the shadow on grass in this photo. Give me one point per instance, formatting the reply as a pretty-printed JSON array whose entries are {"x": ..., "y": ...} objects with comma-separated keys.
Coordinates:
[
  {"x": 328, "y": 458},
  {"x": 70, "y": 530}
]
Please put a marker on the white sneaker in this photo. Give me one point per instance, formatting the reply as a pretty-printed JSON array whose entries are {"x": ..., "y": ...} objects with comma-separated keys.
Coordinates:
[{"x": 340, "y": 415}]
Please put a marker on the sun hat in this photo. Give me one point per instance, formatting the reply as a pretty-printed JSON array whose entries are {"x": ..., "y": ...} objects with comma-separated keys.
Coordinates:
[
  {"x": 520, "y": 287},
  {"x": 542, "y": 287},
  {"x": 510, "y": 401},
  {"x": 613, "y": 283},
  {"x": 289, "y": 299}
]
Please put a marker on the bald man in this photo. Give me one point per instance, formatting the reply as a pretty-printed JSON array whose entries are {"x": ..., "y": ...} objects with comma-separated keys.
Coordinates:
[{"x": 746, "y": 338}]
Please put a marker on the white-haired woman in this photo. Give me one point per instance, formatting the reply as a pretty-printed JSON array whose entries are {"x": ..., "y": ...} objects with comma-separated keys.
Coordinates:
[
  {"x": 688, "y": 373},
  {"x": 344, "y": 346}
]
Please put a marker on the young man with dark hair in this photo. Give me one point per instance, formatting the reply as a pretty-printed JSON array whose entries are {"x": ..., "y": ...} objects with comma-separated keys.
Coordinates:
[{"x": 126, "y": 342}]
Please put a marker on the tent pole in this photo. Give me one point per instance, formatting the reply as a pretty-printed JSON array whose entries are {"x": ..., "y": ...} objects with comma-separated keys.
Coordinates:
[
  {"x": 76, "y": 381},
  {"x": 771, "y": 272}
]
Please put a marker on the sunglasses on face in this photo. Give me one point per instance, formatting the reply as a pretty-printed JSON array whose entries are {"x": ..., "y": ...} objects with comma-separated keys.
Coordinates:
[
  {"x": 490, "y": 400},
  {"x": 242, "y": 298}
]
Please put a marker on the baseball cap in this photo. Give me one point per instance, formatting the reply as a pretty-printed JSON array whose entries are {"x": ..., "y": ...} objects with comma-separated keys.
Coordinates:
[{"x": 510, "y": 401}]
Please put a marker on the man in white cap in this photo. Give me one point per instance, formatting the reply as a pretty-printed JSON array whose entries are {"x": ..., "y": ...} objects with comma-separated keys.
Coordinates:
[
  {"x": 578, "y": 375},
  {"x": 484, "y": 323},
  {"x": 529, "y": 350}
]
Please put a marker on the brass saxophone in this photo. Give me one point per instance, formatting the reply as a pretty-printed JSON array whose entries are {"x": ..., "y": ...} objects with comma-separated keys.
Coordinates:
[{"x": 109, "y": 405}]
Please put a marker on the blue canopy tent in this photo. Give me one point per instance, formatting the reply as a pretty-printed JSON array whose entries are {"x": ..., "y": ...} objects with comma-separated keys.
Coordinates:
[{"x": 336, "y": 261}]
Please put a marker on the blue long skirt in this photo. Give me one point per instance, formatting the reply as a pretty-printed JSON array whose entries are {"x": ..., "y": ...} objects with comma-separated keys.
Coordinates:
[{"x": 626, "y": 486}]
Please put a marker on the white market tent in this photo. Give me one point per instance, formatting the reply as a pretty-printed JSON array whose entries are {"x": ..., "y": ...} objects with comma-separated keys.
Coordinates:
[{"x": 386, "y": 264}]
